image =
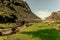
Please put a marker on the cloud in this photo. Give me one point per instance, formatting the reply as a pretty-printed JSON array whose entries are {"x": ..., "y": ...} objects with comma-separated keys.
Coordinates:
[{"x": 42, "y": 13}]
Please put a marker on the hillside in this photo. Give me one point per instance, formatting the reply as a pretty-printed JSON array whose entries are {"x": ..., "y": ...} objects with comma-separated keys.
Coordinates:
[
  {"x": 19, "y": 9},
  {"x": 37, "y": 31},
  {"x": 55, "y": 16}
]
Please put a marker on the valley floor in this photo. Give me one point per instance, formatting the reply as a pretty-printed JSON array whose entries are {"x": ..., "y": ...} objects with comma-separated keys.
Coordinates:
[{"x": 38, "y": 31}]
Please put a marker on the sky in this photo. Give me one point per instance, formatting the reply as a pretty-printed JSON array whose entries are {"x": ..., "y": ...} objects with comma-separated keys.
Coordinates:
[{"x": 44, "y": 8}]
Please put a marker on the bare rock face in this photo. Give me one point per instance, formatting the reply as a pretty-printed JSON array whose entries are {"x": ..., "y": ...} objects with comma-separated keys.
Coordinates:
[
  {"x": 55, "y": 16},
  {"x": 19, "y": 8}
]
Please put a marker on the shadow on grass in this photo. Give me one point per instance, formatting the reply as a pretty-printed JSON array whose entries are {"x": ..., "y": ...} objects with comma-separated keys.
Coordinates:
[{"x": 46, "y": 34}]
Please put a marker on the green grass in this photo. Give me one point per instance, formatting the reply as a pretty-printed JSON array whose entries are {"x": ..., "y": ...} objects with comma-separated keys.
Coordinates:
[{"x": 38, "y": 31}]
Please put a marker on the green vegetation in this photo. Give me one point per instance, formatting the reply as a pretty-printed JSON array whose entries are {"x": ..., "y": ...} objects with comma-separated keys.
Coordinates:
[
  {"x": 8, "y": 25},
  {"x": 38, "y": 31},
  {"x": 1, "y": 13}
]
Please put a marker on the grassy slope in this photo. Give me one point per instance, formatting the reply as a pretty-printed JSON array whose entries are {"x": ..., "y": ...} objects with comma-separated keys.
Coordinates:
[
  {"x": 38, "y": 31},
  {"x": 8, "y": 25}
]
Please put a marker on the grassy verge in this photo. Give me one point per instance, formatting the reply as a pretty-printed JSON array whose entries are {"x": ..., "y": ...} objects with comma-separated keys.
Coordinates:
[{"x": 38, "y": 31}]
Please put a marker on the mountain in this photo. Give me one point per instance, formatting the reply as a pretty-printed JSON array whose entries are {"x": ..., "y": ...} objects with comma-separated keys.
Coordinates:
[
  {"x": 18, "y": 10},
  {"x": 55, "y": 16}
]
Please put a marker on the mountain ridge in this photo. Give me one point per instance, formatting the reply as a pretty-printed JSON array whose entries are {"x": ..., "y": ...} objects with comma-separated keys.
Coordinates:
[
  {"x": 19, "y": 8},
  {"x": 55, "y": 16}
]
